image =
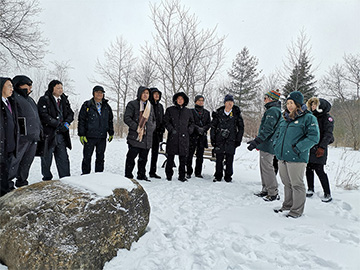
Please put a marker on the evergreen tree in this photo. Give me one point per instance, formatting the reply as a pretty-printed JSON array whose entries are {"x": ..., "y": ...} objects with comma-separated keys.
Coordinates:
[
  {"x": 244, "y": 80},
  {"x": 301, "y": 79}
]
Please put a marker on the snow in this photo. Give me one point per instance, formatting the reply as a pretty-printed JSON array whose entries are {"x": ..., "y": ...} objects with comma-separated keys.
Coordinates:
[{"x": 200, "y": 225}]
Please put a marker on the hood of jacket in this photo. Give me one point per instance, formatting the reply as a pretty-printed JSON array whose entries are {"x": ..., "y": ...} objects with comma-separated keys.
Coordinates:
[
  {"x": 273, "y": 104},
  {"x": 181, "y": 94},
  {"x": 322, "y": 105},
  {"x": 141, "y": 89},
  {"x": 3, "y": 81},
  {"x": 21, "y": 80},
  {"x": 152, "y": 91}
]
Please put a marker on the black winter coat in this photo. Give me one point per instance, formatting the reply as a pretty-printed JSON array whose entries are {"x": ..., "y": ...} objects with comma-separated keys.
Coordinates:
[
  {"x": 202, "y": 121},
  {"x": 51, "y": 117},
  {"x": 28, "y": 109},
  {"x": 179, "y": 123},
  {"x": 159, "y": 115},
  {"x": 226, "y": 131},
  {"x": 92, "y": 124},
  {"x": 9, "y": 129},
  {"x": 326, "y": 126},
  {"x": 131, "y": 118}
]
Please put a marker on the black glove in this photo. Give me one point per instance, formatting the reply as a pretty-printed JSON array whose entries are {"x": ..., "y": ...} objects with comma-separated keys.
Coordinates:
[
  {"x": 63, "y": 128},
  {"x": 200, "y": 130},
  {"x": 254, "y": 143}
]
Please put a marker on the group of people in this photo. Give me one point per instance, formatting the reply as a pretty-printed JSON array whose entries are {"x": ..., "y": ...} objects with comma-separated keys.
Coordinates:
[
  {"x": 292, "y": 142},
  {"x": 298, "y": 140}
]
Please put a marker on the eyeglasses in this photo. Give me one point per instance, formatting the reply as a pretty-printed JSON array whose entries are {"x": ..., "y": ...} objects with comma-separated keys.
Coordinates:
[{"x": 201, "y": 100}]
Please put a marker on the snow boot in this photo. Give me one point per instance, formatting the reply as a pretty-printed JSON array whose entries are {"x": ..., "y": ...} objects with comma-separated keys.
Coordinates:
[
  {"x": 261, "y": 194},
  {"x": 269, "y": 198},
  {"x": 327, "y": 198},
  {"x": 309, "y": 193}
]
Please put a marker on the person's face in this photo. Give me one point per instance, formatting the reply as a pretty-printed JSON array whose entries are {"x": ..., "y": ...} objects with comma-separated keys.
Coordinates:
[
  {"x": 156, "y": 96},
  {"x": 145, "y": 95},
  {"x": 228, "y": 105},
  {"x": 27, "y": 87},
  {"x": 267, "y": 99},
  {"x": 58, "y": 90},
  {"x": 200, "y": 102},
  {"x": 98, "y": 96},
  {"x": 180, "y": 100},
  {"x": 7, "y": 89},
  {"x": 313, "y": 106},
  {"x": 291, "y": 106}
]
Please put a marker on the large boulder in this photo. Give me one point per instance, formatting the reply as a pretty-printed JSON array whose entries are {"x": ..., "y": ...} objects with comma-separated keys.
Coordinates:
[{"x": 76, "y": 223}]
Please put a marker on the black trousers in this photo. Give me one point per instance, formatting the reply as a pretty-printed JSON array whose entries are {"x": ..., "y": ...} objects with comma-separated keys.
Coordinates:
[
  {"x": 319, "y": 169},
  {"x": 61, "y": 159},
  {"x": 100, "y": 145},
  {"x": 20, "y": 166},
  {"x": 154, "y": 154},
  {"x": 5, "y": 185},
  {"x": 132, "y": 153},
  {"x": 229, "y": 159},
  {"x": 170, "y": 164},
  {"x": 194, "y": 146}
]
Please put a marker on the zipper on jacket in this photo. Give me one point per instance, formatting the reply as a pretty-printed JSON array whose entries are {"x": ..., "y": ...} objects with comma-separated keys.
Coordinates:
[{"x": 282, "y": 146}]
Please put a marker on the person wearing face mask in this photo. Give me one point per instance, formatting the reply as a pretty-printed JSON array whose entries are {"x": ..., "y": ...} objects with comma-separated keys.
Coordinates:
[
  {"x": 56, "y": 116},
  {"x": 140, "y": 118},
  {"x": 298, "y": 132},
  {"x": 8, "y": 134},
  {"x": 227, "y": 129},
  {"x": 179, "y": 123},
  {"x": 29, "y": 128}
]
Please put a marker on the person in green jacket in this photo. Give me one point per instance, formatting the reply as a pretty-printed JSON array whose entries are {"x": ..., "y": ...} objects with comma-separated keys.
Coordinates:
[
  {"x": 264, "y": 143},
  {"x": 298, "y": 132}
]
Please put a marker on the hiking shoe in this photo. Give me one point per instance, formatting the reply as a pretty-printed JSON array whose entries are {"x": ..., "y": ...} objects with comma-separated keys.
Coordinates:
[
  {"x": 327, "y": 198},
  {"x": 155, "y": 176},
  {"x": 261, "y": 194},
  {"x": 278, "y": 210},
  {"x": 269, "y": 198},
  {"x": 168, "y": 178},
  {"x": 216, "y": 180},
  {"x": 292, "y": 216},
  {"x": 188, "y": 176},
  {"x": 143, "y": 178},
  {"x": 199, "y": 176},
  {"x": 309, "y": 193},
  {"x": 182, "y": 179}
]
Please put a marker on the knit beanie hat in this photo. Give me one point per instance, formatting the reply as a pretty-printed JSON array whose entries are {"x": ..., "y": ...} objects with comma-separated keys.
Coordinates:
[
  {"x": 273, "y": 94},
  {"x": 297, "y": 97},
  {"x": 198, "y": 97},
  {"x": 98, "y": 88},
  {"x": 228, "y": 97}
]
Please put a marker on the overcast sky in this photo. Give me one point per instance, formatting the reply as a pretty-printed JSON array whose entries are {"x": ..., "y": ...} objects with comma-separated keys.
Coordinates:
[{"x": 80, "y": 30}]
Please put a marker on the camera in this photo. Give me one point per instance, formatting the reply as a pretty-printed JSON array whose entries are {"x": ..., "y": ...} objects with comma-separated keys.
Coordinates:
[{"x": 225, "y": 133}]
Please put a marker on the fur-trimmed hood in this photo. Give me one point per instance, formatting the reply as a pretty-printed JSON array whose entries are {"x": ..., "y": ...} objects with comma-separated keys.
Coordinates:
[{"x": 322, "y": 105}]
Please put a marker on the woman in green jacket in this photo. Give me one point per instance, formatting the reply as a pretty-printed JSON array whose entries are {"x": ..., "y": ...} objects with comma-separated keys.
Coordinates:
[{"x": 297, "y": 133}]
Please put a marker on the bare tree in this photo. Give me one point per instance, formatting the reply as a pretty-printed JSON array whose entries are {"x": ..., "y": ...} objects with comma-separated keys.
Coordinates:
[
  {"x": 187, "y": 59},
  {"x": 352, "y": 66},
  {"x": 146, "y": 74},
  {"x": 20, "y": 37},
  {"x": 117, "y": 73},
  {"x": 61, "y": 72}
]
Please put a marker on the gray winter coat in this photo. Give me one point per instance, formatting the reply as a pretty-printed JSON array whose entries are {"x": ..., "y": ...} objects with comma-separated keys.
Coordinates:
[{"x": 131, "y": 118}]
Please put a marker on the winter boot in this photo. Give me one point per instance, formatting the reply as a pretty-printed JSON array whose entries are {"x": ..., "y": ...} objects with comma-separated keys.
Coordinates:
[
  {"x": 327, "y": 198},
  {"x": 309, "y": 193},
  {"x": 269, "y": 198},
  {"x": 261, "y": 194}
]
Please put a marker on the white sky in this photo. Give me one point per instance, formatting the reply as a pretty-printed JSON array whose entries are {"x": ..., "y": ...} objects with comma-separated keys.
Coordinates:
[{"x": 80, "y": 30}]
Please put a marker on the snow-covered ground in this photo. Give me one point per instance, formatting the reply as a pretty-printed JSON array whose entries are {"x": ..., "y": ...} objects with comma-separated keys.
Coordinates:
[{"x": 201, "y": 225}]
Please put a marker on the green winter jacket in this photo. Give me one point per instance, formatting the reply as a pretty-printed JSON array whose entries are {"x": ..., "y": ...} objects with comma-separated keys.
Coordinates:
[
  {"x": 294, "y": 138},
  {"x": 268, "y": 126}
]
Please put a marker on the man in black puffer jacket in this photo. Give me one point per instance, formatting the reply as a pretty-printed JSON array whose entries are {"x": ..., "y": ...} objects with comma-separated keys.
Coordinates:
[
  {"x": 318, "y": 154},
  {"x": 95, "y": 123},
  {"x": 30, "y": 129},
  {"x": 179, "y": 123},
  {"x": 227, "y": 129},
  {"x": 56, "y": 116}
]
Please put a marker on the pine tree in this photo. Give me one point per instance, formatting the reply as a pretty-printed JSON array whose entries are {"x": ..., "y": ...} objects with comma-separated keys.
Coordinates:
[
  {"x": 301, "y": 79},
  {"x": 245, "y": 80}
]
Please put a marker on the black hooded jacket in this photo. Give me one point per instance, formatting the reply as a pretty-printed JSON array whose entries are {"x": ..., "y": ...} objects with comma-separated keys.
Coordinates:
[
  {"x": 326, "y": 126},
  {"x": 159, "y": 114},
  {"x": 131, "y": 118},
  {"x": 202, "y": 122},
  {"x": 226, "y": 130},
  {"x": 179, "y": 123},
  {"x": 52, "y": 119},
  {"x": 27, "y": 109}
]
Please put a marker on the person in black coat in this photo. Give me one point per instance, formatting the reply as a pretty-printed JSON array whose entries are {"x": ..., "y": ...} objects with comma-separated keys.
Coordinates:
[
  {"x": 318, "y": 154},
  {"x": 8, "y": 134},
  {"x": 29, "y": 128},
  {"x": 95, "y": 122},
  {"x": 140, "y": 118},
  {"x": 56, "y": 116},
  {"x": 179, "y": 123},
  {"x": 155, "y": 98},
  {"x": 198, "y": 139},
  {"x": 227, "y": 129}
]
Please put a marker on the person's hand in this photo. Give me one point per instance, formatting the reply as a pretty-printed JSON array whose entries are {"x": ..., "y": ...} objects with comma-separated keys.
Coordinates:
[
  {"x": 251, "y": 145},
  {"x": 320, "y": 152},
  {"x": 111, "y": 137},
  {"x": 83, "y": 140}
]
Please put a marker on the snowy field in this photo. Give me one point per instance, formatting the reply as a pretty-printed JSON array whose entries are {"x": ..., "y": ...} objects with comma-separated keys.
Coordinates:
[{"x": 201, "y": 225}]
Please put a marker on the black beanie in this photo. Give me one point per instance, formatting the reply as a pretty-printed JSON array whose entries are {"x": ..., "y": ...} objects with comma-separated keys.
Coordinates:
[
  {"x": 228, "y": 97},
  {"x": 98, "y": 88},
  {"x": 198, "y": 97}
]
